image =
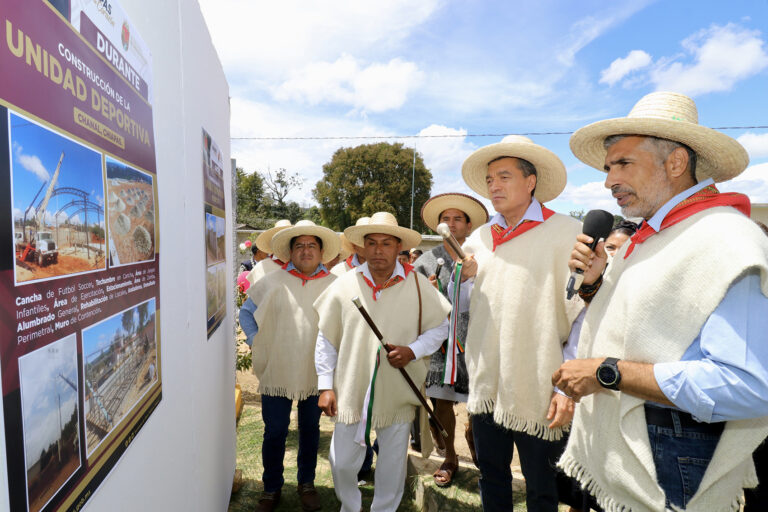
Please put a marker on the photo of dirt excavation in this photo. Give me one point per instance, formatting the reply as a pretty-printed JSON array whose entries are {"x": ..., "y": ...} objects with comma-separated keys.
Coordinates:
[
  {"x": 119, "y": 366},
  {"x": 215, "y": 241},
  {"x": 49, "y": 391},
  {"x": 58, "y": 203},
  {"x": 131, "y": 212}
]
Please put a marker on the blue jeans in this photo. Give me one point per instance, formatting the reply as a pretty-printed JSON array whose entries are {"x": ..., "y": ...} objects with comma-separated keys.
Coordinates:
[
  {"x": 494, "y": 446},
  {"x": 682, "y": 451},
  {"x": 276, "y": 414}
]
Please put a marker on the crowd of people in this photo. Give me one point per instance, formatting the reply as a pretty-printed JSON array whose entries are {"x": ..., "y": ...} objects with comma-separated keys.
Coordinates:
[{"x": 646, "y": 391}]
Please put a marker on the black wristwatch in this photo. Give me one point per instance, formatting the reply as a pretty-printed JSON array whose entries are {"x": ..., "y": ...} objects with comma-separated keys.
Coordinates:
[{"x": 608, "y": 374}]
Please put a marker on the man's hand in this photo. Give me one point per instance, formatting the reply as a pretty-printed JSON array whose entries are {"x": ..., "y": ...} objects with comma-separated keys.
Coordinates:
[
  {"x": 433, "y": 280},
  {"x": 591, "y": 262},
  {"x": 468, "y": 267},
  {"x": 560, "y": 410},
  {"x": 576, "y": 378},
  {"x": 399, "y": 356},
  {"x": 327, "y": 402}
]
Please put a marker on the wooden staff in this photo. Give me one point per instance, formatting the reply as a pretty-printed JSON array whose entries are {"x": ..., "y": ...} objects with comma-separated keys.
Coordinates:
[
  {"x": 444, "y": 231},
  {"x": 377, "y": 332}
]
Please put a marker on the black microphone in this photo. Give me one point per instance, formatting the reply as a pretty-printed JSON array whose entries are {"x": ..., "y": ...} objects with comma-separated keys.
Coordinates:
[{"x": 597, "y": 224}]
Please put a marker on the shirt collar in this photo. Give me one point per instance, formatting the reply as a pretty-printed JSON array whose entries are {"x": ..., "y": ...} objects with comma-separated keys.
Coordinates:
[
  {"x": 399, "y": 271},
  {"x": 532, "y": 213},
  {"x": 320, "y": 268},
  {"x": 658, "y": 217},
  {"x": 355, "y": 260}
]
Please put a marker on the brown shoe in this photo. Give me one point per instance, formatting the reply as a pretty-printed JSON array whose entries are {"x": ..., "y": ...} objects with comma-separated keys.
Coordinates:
[
  {"x": 310, "y": 500},
  {"x": 268, "y": 501}
]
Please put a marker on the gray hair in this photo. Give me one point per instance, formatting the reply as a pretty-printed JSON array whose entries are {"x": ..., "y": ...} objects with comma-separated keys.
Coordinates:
[
  {"x": 662, "y": 148},
  {"x": 526, "y": 167}
]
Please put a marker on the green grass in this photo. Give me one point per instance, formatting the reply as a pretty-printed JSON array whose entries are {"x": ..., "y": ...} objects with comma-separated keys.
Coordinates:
[{"x": 249, "y": 436}]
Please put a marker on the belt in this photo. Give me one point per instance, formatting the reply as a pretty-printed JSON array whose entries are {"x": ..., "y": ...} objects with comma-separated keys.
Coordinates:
[{"x": 664, "y": 417}]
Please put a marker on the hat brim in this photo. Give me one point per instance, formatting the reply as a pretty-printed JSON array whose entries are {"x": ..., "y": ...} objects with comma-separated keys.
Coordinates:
[
  {"x": 550, "y": 171},
  {"x": 264, "y": 240},
  {"x": 346, "y": 247},
  {"x": 718, "y": 156},
  {"x": 430, "y": 212},
  {"x": 281, "y": 243},
  {"x": 408, "y": 237}
]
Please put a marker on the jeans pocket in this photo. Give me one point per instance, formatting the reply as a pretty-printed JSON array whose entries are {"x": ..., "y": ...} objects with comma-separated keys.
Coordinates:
[{"x": 692, "y": 470}]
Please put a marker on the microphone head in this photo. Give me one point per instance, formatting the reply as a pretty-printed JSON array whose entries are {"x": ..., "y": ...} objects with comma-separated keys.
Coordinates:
[
  {"x": 597, "y": 224},
  {"x": 443, "y": 230},
  {"x": 440, "y": 261}
]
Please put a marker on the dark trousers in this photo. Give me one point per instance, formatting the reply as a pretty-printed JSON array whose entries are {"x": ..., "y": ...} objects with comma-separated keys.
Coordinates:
[
  {"x": 682, "y": 449},
  {"x": 756, "y": 500},
  {"x": 276, "y": 413},
  {"x": 494, "y": 446}
]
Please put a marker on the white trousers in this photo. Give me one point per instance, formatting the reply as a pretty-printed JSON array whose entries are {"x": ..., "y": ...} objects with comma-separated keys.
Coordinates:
[{"x": 347, "y": 456}]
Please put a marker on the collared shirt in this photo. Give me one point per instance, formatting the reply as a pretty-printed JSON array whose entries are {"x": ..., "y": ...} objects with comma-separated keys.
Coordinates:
[
  {"x": 723, "y": 375},
  {"x": 326, "y": 355},
  {"x": 355, "y": 260},
  {"x": 248, "y": 323},
  {"x": 533, "y": 213}
]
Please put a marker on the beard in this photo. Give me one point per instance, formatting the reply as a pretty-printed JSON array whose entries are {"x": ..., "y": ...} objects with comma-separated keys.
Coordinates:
[{"x": 650, "y": 201}]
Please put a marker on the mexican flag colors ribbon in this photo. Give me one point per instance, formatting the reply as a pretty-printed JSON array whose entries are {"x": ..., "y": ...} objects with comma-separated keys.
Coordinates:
[
  {"x": 454, "y": 344},
  {"x": 363, "y": 433}
]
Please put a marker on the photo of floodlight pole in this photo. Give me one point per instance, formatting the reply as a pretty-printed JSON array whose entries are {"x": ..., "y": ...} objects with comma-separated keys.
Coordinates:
[{"x": 120, "y": 365}]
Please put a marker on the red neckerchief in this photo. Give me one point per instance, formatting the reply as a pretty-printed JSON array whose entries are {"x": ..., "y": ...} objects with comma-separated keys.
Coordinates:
[
  {"x": 349, "y": 262},
  {"x": 279, "y": 262},
  {"x": 706, "y": 198},
  {"x": 502, "y": 235},
  {"x": 390, "y": 282},
  {"x": 304, "y": 278}
]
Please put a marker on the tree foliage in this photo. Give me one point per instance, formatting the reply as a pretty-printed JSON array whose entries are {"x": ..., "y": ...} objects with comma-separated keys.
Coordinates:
[
  {"x": 261, "y": 198},
  {"x": 369, "y": 178}
]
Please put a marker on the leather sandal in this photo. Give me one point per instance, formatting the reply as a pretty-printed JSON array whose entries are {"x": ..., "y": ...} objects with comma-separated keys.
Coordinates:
[{"x": 444, "y": 475}]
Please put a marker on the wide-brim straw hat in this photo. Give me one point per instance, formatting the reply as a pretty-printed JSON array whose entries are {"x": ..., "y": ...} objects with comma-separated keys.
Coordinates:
[
  {"x": 263, "y": 241},
  {"x": 281, "y": 242},
  {"x": 671, "y": 116},
  {"x": 383, "y": 223},
  {"x": 346, "y": 246},
  {"x": 550, "y": 171},
  {"x": 430, "y": 212}
]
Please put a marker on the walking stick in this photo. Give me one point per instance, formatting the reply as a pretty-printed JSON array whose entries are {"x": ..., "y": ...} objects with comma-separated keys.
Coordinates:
[
  {"x": 377, "y": 332},
  {"x": 444, "y": 231}
]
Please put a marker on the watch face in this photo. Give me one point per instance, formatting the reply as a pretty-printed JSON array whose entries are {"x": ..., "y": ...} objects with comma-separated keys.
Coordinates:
[{"x": 606, "y": 375}]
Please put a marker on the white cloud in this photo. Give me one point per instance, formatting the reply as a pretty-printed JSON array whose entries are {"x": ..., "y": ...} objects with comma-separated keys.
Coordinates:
[
  {"x": 376, "y": 87},
  {"x": 590, "y": 196},
  {"x": 32, "y": 163},
  {"x": 722, "y": 56},
  {"x": 755, "y": 144},
  {"x": 621, "y": 67},
  {"x": 753, "y": 182}
]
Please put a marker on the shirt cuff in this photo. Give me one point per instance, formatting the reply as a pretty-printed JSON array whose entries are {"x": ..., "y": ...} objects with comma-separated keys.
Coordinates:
[
  {"x": 325, "y": 381},
  {"x": 417, "y": 349},
  {"x": 682, "y": 392}
]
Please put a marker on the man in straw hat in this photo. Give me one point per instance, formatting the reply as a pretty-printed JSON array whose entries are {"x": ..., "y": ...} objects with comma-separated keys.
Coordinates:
[
  {"x": 283, "y": 334},
  {"x": 513, "y": 283},
  {"x": 264, "y": 243},
  {"x": 359, "y": 389},
  {"x": 354, "y": 254},
  {"x": 672, "y": 374},
  {"x": 447, "y": 380}
]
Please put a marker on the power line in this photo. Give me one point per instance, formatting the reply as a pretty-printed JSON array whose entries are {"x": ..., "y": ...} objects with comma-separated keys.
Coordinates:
[{"x": 452, "y": 135}]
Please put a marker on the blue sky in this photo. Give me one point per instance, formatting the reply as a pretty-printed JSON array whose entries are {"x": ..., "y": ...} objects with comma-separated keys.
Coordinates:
[
  {"x": 304, "y": 69},
  {"x": 35, "y": 153},
  {"x": 100, "y": 336}
]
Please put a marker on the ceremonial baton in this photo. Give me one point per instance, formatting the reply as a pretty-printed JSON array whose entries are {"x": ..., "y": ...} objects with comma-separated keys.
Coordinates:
[
  {"x": 377, "y": 332},
  {"x": 444, "y": 231}
]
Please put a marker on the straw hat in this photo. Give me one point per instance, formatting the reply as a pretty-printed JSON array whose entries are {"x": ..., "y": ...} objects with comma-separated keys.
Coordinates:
[
  {"x": 430, "y": 212},
  {"x": 385, "y": 223},
  {"x": 264, "y": 239},
  {"x": 281, "y": 243},
  {"x": 550, "y": 171},
  {"x": 672, "y": 116},
  {"x": 346, "y": 246}
]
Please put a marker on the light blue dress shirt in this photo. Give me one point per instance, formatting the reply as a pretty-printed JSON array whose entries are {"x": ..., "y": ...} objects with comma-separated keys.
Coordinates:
[
  {"x": 248, "y": 323},
  {"x": 723, "y": 375}
]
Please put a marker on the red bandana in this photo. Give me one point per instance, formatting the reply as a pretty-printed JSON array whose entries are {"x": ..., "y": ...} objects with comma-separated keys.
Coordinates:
[
  {"x": 706, "y": 198},
  {"x": 304, "y": 278},
  {"x": 390, "y": 282},
  {"x": 349, "y": 261},
  {"x": 501, "y": 235}
]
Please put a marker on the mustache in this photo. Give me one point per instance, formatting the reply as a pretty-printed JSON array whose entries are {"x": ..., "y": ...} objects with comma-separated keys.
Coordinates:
[{"x": 618, "y": 189}]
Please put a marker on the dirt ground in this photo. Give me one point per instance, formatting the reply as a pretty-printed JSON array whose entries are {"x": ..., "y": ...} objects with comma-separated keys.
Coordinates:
[{"x": 66, "y": 264}]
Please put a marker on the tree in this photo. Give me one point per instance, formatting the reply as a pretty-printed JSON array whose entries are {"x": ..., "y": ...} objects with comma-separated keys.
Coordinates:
[
  {"x": 250, "y": 196},
  {"x": 278, "y": 185},
  {"x": 128, "y": 321},
  {"x": 143, "y": 309},
  {"x": 369, "y": 178}
]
